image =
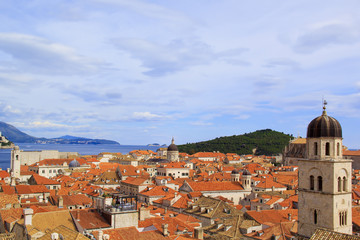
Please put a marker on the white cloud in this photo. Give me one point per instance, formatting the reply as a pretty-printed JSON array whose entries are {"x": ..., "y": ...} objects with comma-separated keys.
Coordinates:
[
  {"x": 148, "y": 9},
  {"x": 201, "y": 123},
  {"x": 43, "y": 55},
  {"x": 145, "y": 116},
  {"x": 323, "y": 36}
]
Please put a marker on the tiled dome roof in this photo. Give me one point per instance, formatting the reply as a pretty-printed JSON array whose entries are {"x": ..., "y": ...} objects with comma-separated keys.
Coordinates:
[
  {"x": 74, "y": 163},
  {"x": 324, "y": 126}
]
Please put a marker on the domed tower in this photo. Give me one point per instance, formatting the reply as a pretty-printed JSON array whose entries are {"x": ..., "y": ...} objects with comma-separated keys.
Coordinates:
[
  {"x": 172, "y": 152},
  {"x": 324, "y": 180},
  {"x": 246, "y": 180},
  {"x": 235, "y": 175},
  {"x": 74, "y": 164}
]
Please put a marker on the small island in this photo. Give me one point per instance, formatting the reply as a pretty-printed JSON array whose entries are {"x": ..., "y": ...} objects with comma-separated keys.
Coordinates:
[{"x": 5, "y": 143}]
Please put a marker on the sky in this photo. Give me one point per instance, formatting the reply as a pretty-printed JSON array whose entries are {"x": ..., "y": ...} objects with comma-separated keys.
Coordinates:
[{"x": 141, "y": 72}]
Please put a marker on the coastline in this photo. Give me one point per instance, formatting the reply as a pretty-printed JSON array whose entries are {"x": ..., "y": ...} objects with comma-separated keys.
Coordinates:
[{"x": 7, "y": 147}]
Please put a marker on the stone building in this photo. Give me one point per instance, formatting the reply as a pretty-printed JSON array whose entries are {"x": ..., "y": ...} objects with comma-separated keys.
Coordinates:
[
  {"x": 20, "y": 157},
  {"x": 324, "y": 180},
  {"x": 172, "y": 152}
]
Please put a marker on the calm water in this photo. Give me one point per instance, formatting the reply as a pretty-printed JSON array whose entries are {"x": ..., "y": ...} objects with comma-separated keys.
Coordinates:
[{"x": 82, "y": 149}]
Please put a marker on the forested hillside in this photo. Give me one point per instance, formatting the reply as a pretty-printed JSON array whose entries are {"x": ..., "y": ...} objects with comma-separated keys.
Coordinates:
[{"x": 267, "y": 141}]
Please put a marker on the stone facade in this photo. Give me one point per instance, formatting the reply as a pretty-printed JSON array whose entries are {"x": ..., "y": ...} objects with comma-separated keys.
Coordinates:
[{"x": 324, "y": 182}]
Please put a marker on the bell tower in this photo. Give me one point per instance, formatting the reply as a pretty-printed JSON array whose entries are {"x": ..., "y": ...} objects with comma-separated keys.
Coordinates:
[{"x": 324, "y": 179}]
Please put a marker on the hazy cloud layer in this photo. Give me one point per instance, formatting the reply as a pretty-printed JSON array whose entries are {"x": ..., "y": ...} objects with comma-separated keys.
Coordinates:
[{"x": 140, "y": 72}]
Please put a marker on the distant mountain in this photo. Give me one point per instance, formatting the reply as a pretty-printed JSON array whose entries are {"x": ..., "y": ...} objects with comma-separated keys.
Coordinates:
[
  {"x": 14, "y": 134},
  {"x": 17, "y": 136},
  {"x": 267, "y": 142},
  {"x": 153, "y": 145}
]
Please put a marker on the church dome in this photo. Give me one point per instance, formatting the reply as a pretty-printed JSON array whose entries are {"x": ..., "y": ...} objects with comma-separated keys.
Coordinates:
[
  {"x": 324, "y": 126},
  {"x": 74, "y": 163},
  {"x": 246, "y": 173},
  {"x": 172, "y": 146},
  {"x": 234, "y": 171}
]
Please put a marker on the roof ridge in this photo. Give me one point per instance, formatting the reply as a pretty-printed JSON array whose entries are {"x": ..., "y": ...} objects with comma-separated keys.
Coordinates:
[{"x": 217, "y": 206}]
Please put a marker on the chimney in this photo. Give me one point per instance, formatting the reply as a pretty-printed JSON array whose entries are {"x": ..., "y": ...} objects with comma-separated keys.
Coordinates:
[
  {"x": 198, "y": 233},
  {"x": 54, "y": 236},
  {"x": 28, "y": 213},
  {"x": 289, "y": 216},
  {"x": 165, "y": 229},
  {"x": 100, "y": 235},
  {"x": 258, "y": 208},
  {"x": 77, "y": 215},
  {"x": 61, "y": 202},
  {"x": 144, "y": 213},
  {"x": 45, "y": 198}
]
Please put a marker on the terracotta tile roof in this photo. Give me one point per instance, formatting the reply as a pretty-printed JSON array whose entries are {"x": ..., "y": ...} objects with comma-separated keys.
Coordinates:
[
  {"x": 43, "y": 180},
  {"x": 108, "y": 177},
  {"x": 24, "y": 168},
  {"x": 157, "y": 191},
  {"x": 273, "y": 216},
  {"x": 253, "y": 167},
  {"x": 77, "y": 199},
  {"x": 29, "y": 200},
  {"x": 268, "y": 183},
  {"x": 89, "y": 219},
  {"x": 208, "y": 154},
  {"x": 215, "y": 186},
  {"x": 24, "y": 173},
  {"x": 8, "y": 189},
  {"x": 28, "y": 189},
  {"x": 4, "y": 174},
  {"x": 174, "y": 224},
  {"x": 351, "y": 153},
  {"x": 173, "y": 165},
  {"x": 50, "y": 220},
  {"x": 299, "y": 141},
  {"x": 131, "y": 233},
  {"x": 135, "y": 181},
  {"x": 284, "y": 230},
  {"x": 67, "y": 233},
  {"x": 52, "y": 162},
  {"x": 5, "y": 199},
  {"x": 13, "y": 212},
  {"x": 194, "y": 194},
  {"x": 325, "y": 234}
]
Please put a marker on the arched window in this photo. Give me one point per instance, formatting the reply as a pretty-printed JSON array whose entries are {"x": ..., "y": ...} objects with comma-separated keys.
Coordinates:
[
  {"x": 340, "y": 218},
  {"x": 339, "y": 184},
  {"x": 327, "y": 149},
  {"x": 344, "y": 184},
  {"x": 319, "y": 183},
  {"x": 315, "y": 216},
  {"x": 17, "y": 157},
  {"x": 312, "y": 182},
  {"x": 343, "y": 218},
  {"x": 338, "y": 149},
  {"x": 315, "y": 148}
]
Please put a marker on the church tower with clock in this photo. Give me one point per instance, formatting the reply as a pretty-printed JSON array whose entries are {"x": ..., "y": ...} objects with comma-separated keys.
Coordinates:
[{"x": 324, "y": 180}]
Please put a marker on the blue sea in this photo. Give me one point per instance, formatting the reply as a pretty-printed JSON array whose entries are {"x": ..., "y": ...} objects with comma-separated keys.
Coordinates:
[{"x": 83, "y": 149}]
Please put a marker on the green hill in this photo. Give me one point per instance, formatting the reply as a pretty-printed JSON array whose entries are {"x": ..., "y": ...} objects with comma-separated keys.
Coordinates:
[{"x": 267, "y": 142}]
